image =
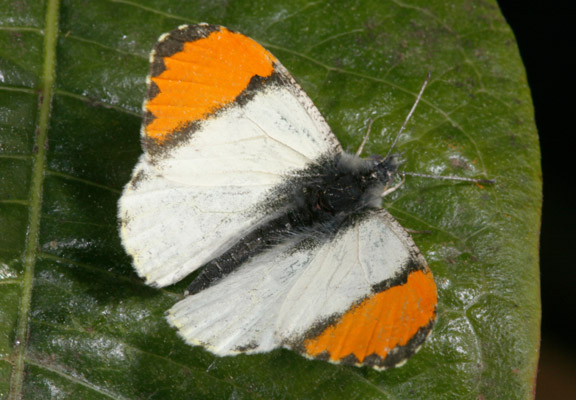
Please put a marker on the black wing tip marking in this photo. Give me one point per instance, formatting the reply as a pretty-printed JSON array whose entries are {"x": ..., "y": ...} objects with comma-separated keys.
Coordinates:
[
  {"x": 400, "y": 354},
  {"x": 173, "y": 42}
]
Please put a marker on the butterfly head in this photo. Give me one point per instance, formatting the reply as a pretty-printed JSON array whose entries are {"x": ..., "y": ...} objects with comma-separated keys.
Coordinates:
[{"x": 386, "y": 168}]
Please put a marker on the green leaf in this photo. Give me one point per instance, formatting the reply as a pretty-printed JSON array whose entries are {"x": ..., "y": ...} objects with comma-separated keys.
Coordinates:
[{"x": 76, "y": 322}]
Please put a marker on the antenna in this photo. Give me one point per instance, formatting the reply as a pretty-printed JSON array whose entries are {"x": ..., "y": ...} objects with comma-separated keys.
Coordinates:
[
  {"x": 409, "y": 114},
  {"x": 450, "y": 178}
]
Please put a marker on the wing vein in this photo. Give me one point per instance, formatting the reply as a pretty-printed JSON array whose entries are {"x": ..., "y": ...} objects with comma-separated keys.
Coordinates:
[
  {"x": 358, "y": 251},
  {"x": 302, "y": 155}
]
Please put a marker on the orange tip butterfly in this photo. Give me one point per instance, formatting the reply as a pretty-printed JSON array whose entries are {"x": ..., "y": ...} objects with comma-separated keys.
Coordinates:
[{"x": 242, "y": 179}]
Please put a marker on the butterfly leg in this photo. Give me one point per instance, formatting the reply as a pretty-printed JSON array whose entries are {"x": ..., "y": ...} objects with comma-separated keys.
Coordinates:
[{"x": 394, "y": 188}]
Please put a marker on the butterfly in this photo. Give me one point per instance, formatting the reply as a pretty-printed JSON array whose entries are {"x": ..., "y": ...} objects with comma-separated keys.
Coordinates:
[{"x": 242, "y": 179}]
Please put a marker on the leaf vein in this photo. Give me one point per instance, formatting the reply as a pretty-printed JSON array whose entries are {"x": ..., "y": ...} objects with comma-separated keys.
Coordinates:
[
  {"x": 36, "y": 189},
  {"x": 153, "y": 10}
]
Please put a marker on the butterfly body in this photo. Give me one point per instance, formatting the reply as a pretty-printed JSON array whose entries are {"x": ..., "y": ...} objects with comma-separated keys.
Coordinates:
[{"x": 319, "y": 201}]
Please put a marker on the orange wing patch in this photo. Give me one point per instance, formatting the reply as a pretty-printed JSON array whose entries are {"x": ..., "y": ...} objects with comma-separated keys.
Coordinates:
[
  {"x": 206, "y": 75},
  {"x": 380, "y": 323}
]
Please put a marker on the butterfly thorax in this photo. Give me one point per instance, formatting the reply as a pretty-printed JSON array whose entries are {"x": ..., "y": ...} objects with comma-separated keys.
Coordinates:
[{"x": 352, "y": 184}]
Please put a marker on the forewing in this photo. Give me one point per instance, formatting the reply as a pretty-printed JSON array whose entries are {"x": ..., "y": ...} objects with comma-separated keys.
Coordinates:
[
  {"x": 224, "y": 126},
  {"x": 363, "y": 297}
]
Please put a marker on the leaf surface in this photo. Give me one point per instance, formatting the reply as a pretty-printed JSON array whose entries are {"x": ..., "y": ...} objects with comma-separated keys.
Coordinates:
[{"x": 75, "y": 320}]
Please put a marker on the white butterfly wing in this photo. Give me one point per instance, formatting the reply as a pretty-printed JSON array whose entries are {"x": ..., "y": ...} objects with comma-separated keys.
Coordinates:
[
  {"x": 212, "y": 159},
  {"x": 364, "y": 297}
]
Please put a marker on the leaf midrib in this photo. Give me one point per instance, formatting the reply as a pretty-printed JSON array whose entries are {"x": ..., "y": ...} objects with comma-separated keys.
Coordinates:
[{"x": 31, "y": 246}]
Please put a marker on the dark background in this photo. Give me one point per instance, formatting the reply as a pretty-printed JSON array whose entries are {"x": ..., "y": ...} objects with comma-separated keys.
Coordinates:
[{"x": 545, "y": 34}]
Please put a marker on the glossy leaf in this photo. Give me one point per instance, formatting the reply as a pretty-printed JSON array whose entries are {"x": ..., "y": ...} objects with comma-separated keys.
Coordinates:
[{"x": 75, "y": 320}]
